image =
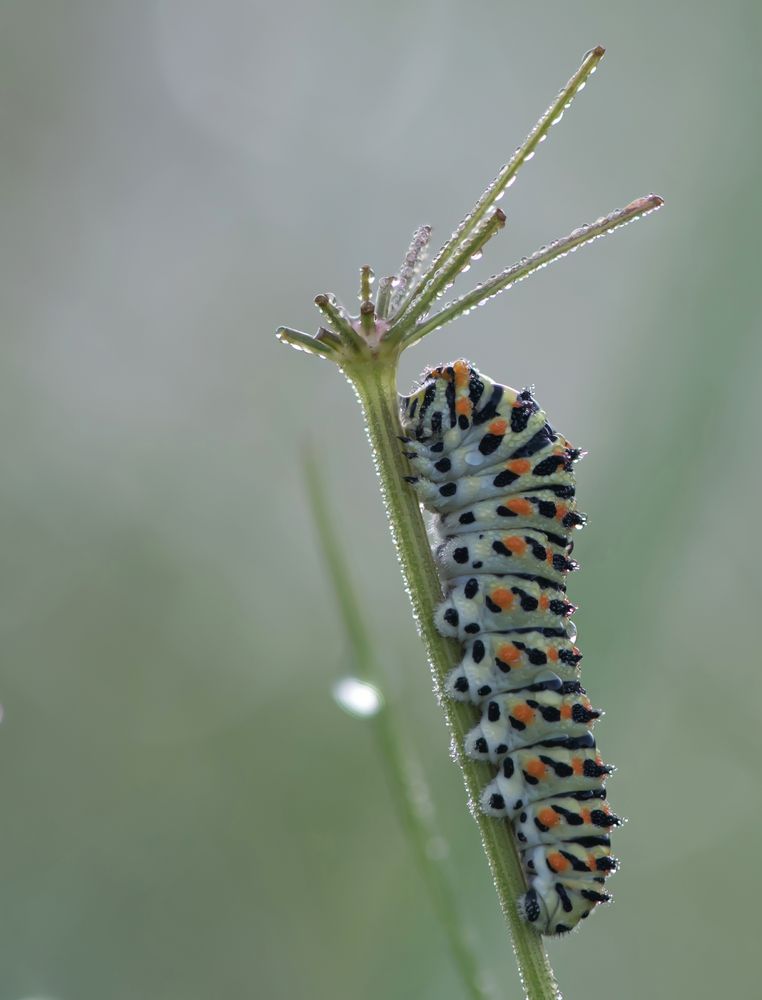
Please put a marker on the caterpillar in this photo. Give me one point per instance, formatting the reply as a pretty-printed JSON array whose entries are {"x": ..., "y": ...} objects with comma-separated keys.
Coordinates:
[{"x": 500, "y": 484}]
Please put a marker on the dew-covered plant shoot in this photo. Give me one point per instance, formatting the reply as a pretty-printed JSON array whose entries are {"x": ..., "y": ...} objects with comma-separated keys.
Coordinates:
[{"x": 490, "y": 601}]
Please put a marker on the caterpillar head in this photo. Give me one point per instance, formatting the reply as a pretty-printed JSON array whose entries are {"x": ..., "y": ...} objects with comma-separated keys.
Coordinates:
[{"x": 444, "y": 403}]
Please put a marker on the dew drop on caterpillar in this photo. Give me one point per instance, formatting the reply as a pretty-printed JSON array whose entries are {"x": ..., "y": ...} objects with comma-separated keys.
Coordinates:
[{"x": 499, "y": 482}]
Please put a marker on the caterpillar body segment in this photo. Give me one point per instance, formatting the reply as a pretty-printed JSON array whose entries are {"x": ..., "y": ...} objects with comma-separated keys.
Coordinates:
[
  {"x": 522, "y": 718},
  {"x": 495, "y": 662}
]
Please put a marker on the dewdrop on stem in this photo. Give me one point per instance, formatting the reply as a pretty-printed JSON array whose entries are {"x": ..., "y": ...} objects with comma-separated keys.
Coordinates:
[{"x": 358, "y": 698}]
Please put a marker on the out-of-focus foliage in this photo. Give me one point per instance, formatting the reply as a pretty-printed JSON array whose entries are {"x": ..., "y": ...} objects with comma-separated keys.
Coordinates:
[{"x": 186, "y": 814}]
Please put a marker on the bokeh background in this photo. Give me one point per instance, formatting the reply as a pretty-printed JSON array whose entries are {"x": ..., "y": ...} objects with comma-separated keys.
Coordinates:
[{"x": 186, "y": 813}]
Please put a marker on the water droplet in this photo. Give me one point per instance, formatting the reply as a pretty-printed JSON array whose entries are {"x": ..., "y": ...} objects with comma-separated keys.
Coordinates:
[
  {"x": 529, "y": 156},
  {"x": 358, "y": 697},
  {"x": 511, "y": 181},
  {"x": 478, "y": 255}
]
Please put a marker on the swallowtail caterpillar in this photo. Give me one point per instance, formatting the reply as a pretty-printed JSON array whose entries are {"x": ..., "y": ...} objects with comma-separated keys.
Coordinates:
[{"x": 499, "y": 481}]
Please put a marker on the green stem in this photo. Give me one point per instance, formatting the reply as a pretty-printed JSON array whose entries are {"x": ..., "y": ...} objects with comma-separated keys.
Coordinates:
[
  {"x": 304, "y": 342},
  {"x": 468, "y": 249},
  {"x": 367, "y": 309},
  {"x": 540, "y": 258},
  {"x": 417, "y": 824},
  {"x": 508, "y": 173},
  {"x": 411, "y": 265},
  {"x": 384, "y": 297},
  {"x": 375, "y": 383},
  {"x": 340, "y": 323}
]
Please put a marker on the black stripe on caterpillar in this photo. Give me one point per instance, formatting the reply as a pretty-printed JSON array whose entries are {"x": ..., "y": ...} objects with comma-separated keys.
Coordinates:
[{"x": 499, "y": 482}]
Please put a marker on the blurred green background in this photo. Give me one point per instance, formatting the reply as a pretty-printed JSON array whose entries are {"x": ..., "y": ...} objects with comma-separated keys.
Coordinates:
[{"x": 185, "y": 812}]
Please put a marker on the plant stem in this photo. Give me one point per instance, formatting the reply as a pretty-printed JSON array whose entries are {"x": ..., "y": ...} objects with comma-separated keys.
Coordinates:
[
  {"x": 539, "y": 259},
  {"x": 417, "y": 823},
  {"x": 375, "y": 383},
  {"x": 305, "y": 342},
  {"x": 411, "y": 265},
  {"x": 507, "y": 174},
  {"x": 384, "y": 297},
  {"x": 340, "y": 323},
  {"x": 441, "y": 281}
]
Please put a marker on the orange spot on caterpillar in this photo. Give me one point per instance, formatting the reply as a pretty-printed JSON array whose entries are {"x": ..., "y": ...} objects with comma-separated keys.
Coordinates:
[
  {"x": 502, "y": 597},
  {"x": 585, "y": 814},
  {"x": 463, "y": 406},
  {"x": 548, "y": 817},
  {"x": 552, "y": 654},
  {"x": 498, "y": 427},
  {"x": 566, "y": 712},
  {"x": 561, "y": 512},
  {"x": 557, "y": 862},
  {"x": 536, "y": 768},
  {"x": 519, "y": 466},
  {"x": 507, "y": 653},
  {"x": 520, "y": 506},
  {"x": 523, "y": 713},
  {"x": 578, "y": 765},
  {"x": 461, "y": 374},
  {"x": 544, "y": 602},
  {"x": 515, "y": 545}
]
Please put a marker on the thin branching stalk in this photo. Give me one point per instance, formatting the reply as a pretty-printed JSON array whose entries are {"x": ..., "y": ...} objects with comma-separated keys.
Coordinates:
[
  {"x": 411, "y": 265},
  {"x": 539, "y": 259},
  {"x": 367, "y": 308},
  {"x": 470, "y": 248},
  {"x": 384, "y": 299},
  {"x": 415, "y": 820},
  {"x": 340, "y": 323},
  {"x": 367, "y": 348},
  {"x": 304, "y": 342},
  {"x": 507, "y": 175}
]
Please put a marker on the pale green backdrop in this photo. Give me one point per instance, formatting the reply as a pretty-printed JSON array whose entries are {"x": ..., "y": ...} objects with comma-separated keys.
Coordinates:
[{"x": 185, "y": 814}]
